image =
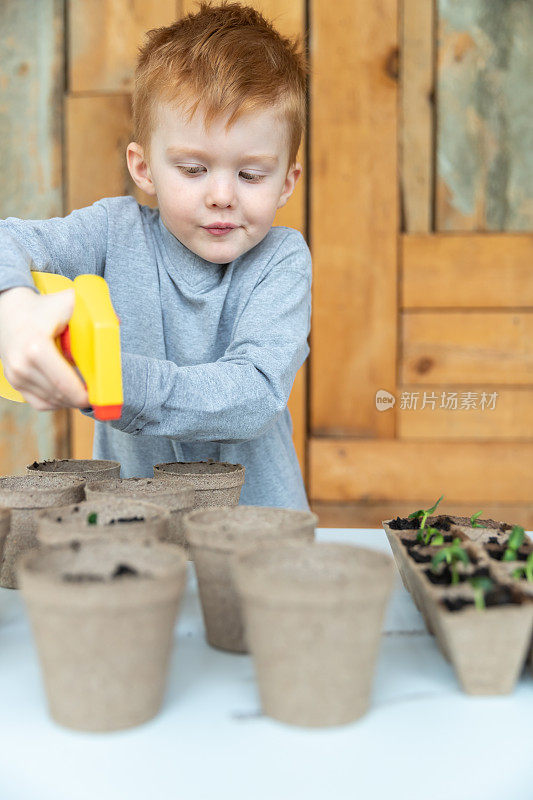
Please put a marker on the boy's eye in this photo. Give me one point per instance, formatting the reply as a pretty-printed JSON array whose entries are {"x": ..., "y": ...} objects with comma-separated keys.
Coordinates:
[{"x": 248, "y": 176}]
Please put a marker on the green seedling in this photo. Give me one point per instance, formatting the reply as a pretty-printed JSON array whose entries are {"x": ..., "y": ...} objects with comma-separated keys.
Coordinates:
[
  {"x": 514, "y": 541},
  {"x": 423, "y": 515},
  {"x": 433, "y": 536},
  {"x": 473, "y": 520},
  {"x": 480, "y": 585},
  {"x": 92, "y": 518},
  {"x": 452, "y": 555},
  {"x": 525, "y": 570}
]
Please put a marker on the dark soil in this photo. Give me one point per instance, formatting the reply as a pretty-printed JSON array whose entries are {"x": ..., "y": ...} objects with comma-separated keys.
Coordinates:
[
  {"x": 496, "y": 552},
  {"x": 444, "y": 578},
  {"x": 126, "y": 519},
  {"x": 409, "y": 544},
  {"x": 444, "y": 522},
  {"x": 498, "y": 596},
  {"x": 420, "y": 558},
  {"x": 122, "y": 571}
]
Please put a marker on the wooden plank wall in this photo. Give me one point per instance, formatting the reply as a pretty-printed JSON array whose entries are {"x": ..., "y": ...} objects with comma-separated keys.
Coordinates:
[
  {"x": 462, "y": 419},
  {"x": 103, "y": 40},
  {"x": 31, "y": 151}
]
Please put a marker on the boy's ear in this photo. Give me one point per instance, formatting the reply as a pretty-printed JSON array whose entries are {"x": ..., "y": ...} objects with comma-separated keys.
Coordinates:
[
  {"x": 290, "y": 182},
  {"x": 139, "y": 169}
]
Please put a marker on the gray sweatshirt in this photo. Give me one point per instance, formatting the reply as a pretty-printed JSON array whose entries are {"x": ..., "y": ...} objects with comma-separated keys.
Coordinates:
[{"x": 209, "y": 351}]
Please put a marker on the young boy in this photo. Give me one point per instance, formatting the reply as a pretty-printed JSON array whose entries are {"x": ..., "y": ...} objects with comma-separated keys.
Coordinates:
[{"x": 214, "y": 322}]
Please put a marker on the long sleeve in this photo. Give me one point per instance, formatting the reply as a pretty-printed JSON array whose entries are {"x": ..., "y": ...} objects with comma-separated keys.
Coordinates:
[
  {"x": 70, "y": 246},
  {"x": 239, "y": 396}
]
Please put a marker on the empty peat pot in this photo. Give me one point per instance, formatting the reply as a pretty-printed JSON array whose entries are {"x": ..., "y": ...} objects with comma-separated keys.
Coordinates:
[
  {"x": 175, "y": 499},
  {"x": 102, "y": 517},
  {"x": 314, "y": 614},
  {"x": 26, "y": 496},
  {"x": 88, "y": 468},
  {"x": 216, "y": 483},
  {"x": 215, "y": 535},
  {"x": 102, "y": 614}
]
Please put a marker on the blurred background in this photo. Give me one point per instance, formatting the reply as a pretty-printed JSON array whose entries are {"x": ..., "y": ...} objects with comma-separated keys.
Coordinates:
[{"x": 417, "y": 204}]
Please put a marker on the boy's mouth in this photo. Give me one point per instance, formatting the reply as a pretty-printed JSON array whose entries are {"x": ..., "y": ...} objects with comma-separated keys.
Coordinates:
[{"x": 218, "y": 230}]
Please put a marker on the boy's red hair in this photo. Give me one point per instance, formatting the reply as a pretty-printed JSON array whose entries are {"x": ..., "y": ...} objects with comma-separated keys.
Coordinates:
[{"x": 228, "y": 59}]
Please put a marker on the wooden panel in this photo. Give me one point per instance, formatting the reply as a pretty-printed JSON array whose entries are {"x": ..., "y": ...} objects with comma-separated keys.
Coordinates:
[
  {"x": 485, "y": 96},
  {"x": 371, "y": 515},
  {"x": 354, "y": 214},
  {"x": 31, "y": 92},
  {"x": 27, "y": 435},
  {"x": 103, "y": 39},
  {"x": 467, "y": 347},
  {"x": 98, "y": 130},
  {"x": 31, "y": 98},
  {"x": 467, "y": 270},
  {"x": 457, "y": 413},
  {"x": 417, "y": 114},
  {"x": 377, "y": 471}
]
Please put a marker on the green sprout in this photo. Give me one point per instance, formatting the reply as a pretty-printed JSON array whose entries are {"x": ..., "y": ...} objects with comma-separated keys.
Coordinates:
[
  {"x": 480, "y": 585},
  {"x": 452, "y": 555},
  {"x": 92, "y": 518},
  {"x": 514, "y": 541},
  {"x": 473, "y": 520},
  {"x": 433, "y": 536},
  {"x": 525, "y": 570},
  {"x": 423, "y": 514}
]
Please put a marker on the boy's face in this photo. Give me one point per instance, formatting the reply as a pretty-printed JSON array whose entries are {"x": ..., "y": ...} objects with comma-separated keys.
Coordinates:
[{"x": 224, "y": 181}]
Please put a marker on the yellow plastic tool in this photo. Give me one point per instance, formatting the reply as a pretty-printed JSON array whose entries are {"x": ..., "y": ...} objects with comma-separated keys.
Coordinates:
[{"x": 91, "y": 342}]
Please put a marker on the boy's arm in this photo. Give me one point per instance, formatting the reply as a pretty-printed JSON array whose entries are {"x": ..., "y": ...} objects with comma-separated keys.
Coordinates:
[
  {"x": 29, "y": 322},
  {"x": 70, "y": 246},
  {"x": 238, "y": 397}
]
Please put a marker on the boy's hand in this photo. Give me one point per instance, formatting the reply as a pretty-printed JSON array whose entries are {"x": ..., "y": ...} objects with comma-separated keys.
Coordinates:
[{"x": 32, "y": 364}]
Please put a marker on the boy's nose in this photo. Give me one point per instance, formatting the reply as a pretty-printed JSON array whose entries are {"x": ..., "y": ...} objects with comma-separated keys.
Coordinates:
[{"x": 221, "y": 192}]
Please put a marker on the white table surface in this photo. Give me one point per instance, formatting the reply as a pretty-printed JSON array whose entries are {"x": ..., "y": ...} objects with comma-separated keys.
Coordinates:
[{"x": 423, "y": 738}]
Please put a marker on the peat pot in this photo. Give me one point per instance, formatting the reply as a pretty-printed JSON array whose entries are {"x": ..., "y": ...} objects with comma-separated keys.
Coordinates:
[
  {"x": 26, "y": 496},
  {"x": 102, "y": 517},
  {"x": 88, "y": 468},
  {"x": 216, "y": 483},
  {"x": 314, "y": 614},
  {"x": 215, "y": 535},
  {"x": 102, "y": 615},
  {"x": 175, "y": 499}
]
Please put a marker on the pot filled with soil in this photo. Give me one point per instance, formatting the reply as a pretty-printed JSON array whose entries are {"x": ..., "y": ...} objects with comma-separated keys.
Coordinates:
[
  {"x": 102, "y": 517},
  {"x": 409, "y": 543},
  {"x": 451, "y": 568},
  {"x": 487, "y": 634},
  {"x": 314, "y": 614},
  {"x": 176, "y": 500},
  {"x": 26, "y": 496},
  {"x": 216, "y": 483},
  {"x": 88, "y": 468},
  {"x": 215, "y": 535},
  {"x": 102, "y": 614}
]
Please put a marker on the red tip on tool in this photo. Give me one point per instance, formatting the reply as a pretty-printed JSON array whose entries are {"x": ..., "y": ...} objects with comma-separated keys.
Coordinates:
[
  {"x": 64, "y": 339},
  {"x": 107, "y": 412}
]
